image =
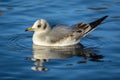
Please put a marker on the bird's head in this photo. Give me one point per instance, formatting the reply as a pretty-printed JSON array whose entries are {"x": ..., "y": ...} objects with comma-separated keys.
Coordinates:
[{"x": 40, "y": 26}]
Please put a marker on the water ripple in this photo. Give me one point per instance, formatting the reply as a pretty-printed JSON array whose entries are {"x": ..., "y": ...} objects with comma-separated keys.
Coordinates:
[
  {"x": 99, "y": 8},
  {"x": 1, "y": 13},
  {"x": 18, "y": 42}
]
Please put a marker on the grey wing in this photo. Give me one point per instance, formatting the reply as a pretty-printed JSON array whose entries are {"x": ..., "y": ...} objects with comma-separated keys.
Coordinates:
[
  {"x": 80, "y": 30},
  {"x": 59, "y": 31}
]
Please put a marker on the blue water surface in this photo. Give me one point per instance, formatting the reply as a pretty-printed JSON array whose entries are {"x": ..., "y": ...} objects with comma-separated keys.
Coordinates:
[{"x": 97, "y": 60}]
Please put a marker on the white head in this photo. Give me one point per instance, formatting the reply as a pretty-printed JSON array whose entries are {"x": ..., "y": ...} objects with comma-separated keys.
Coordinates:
[{"x": 40, "y": 26}]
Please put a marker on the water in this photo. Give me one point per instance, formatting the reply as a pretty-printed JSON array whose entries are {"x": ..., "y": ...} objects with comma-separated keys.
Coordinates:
[{"x": 97, "y": 60}]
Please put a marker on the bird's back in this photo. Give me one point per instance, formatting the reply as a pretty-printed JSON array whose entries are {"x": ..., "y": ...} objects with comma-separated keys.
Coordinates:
[{"x": 64, "y": 36}]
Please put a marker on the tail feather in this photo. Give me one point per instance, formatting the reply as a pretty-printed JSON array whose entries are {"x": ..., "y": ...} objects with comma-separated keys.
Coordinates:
[
  {"x": 94, "y": 24},
  {"x": 84, "y": 28}
]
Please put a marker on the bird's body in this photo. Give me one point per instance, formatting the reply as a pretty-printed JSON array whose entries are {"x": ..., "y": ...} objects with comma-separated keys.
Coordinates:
[{"x": 61, "y": 35}]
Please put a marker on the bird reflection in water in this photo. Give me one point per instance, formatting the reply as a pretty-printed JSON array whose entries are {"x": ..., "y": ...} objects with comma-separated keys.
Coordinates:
[{"x": 44, "y": 54}]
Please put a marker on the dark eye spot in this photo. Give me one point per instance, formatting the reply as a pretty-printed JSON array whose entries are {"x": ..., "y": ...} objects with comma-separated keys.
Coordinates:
[
  {"x": 39, "y": 26},
  {"x": 45, "y": 26}
]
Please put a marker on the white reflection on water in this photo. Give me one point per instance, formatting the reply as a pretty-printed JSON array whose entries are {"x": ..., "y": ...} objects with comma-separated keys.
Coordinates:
[{"x": 44, "y": 54}]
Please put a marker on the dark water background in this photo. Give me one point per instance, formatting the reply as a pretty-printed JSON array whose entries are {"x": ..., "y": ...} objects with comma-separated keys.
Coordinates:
[{"x": 20, "y": 60}]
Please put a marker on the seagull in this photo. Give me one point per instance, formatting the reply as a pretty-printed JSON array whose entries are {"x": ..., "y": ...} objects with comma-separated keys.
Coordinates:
[{"x": 61, "y": 35}]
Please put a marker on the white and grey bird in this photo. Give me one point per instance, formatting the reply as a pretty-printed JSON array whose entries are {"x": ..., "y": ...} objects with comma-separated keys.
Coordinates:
[{"x": 61, "y": 35}]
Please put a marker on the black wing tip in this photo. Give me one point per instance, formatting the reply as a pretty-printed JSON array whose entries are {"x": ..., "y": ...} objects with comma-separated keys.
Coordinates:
[
  {"x": 98, "y": 21},
  {"x": 104, "y": 17}
]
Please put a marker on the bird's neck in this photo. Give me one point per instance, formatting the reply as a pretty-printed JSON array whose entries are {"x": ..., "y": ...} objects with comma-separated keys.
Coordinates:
[
  {"x": 39, "y": 38},
  {"x": 39, "y": 35}
]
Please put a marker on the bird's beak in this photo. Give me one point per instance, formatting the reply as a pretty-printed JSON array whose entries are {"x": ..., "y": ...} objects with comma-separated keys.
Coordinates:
[{"x": 30, "y": 29}]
